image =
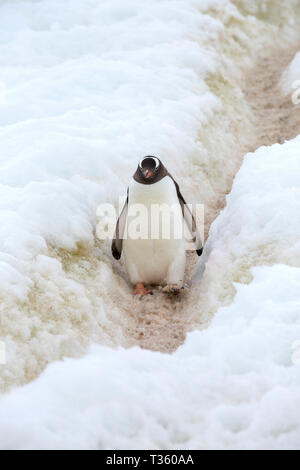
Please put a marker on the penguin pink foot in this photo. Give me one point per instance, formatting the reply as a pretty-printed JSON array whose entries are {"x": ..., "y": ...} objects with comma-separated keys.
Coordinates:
[{"x": 141, "y": 290}]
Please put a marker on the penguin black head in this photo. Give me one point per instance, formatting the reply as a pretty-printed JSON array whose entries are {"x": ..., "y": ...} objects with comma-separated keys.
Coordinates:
[{"x": 150, "y": 170}]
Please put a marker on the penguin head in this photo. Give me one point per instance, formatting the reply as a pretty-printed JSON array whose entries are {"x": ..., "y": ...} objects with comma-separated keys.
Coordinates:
[{"x": 149, "y": 169}]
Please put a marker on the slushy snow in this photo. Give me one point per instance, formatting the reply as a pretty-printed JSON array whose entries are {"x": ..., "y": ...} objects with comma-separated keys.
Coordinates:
[{"x": 235, "y": 385}]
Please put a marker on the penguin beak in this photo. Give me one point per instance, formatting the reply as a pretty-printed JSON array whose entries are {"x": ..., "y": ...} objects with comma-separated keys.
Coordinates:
[{"x": 147, "y": 173}]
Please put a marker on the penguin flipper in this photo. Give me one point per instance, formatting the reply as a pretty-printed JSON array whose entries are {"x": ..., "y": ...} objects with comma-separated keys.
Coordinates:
[
  {"x": 117, "y": 243},
  {"x": 190, "y": 221}
]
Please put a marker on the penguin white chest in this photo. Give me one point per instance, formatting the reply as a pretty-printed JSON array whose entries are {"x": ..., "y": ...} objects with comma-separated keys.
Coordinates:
[{"x": 154, "y": 245}]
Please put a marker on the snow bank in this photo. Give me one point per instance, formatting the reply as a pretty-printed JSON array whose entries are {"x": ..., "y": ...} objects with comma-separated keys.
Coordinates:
[
  {"x": 234, "y": 385},
  {"x": 88, "y": 88},
  {"x": 260, "y": 226}
]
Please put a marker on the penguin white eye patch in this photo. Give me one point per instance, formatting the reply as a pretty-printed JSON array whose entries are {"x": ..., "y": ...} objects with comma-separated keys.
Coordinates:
[{"x": 149, "y": 162}]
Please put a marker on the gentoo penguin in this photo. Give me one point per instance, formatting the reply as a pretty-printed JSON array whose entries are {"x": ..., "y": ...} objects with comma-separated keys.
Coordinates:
[{"x": 154, "y": 258}]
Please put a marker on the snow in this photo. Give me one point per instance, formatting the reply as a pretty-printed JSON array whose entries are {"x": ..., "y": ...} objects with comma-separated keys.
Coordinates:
[
  {"x": 90, "y": 87},
  {"x": 235, "y": 385},
  {"x": 262, "y": 225},
  {"x": 86, "y": 89}
]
